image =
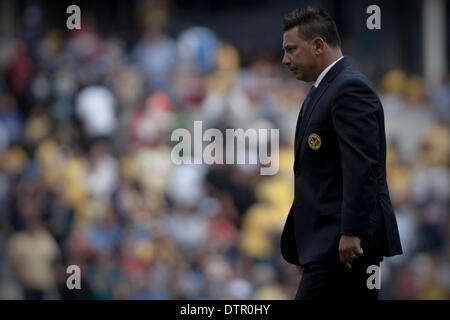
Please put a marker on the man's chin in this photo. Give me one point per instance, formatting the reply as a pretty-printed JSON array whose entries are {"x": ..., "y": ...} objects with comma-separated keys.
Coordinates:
[{"x": 303, "y": 78}]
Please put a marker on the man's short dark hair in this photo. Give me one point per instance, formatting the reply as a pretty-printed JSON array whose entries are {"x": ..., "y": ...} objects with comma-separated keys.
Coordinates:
[{"x": 313, "y": 23}]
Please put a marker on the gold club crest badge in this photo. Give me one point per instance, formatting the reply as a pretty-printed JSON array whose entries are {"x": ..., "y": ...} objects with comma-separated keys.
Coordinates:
[{"x": 314, "y": 141}]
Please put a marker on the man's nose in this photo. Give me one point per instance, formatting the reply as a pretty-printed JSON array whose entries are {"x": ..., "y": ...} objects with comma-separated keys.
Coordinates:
[{"x": 285, "y": 60}]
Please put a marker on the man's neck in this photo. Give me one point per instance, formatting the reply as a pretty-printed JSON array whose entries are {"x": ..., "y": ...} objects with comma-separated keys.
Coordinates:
[{"x": 329, "y": 59}]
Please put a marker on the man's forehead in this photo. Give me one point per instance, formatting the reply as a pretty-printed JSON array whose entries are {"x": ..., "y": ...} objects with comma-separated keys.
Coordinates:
[{"x": 291, "y": 36}]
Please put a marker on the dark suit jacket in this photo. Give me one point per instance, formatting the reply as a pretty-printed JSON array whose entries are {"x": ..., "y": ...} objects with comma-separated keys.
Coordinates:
[{"x": 340, "y": 173}]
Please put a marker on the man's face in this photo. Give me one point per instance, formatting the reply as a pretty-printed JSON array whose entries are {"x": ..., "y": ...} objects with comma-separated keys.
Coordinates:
[{"x": 298, "y": 56}]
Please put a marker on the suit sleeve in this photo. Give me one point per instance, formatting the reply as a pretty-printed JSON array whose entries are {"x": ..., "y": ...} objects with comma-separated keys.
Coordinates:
[{"x": 355, "y": 119}]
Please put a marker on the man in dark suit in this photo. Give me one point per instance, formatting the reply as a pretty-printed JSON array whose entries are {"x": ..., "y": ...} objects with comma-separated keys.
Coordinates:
[{"x": 341, "y": 221}]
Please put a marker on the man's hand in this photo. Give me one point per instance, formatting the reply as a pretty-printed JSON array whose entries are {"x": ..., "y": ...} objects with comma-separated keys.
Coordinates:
[{"x": 349, "y": 249}]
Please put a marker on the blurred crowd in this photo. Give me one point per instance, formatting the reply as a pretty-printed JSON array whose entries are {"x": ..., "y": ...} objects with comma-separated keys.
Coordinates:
[{"x": 87, "y": 179}]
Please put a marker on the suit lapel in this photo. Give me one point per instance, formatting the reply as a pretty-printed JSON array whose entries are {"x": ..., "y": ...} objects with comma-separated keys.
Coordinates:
[
  {"x": 299, "y": 120},
  {"x": 323, "y": 86}
]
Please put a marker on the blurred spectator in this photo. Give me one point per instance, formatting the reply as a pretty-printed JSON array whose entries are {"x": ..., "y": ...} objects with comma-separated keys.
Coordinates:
[
  {"x": 11, "y": 120},
  {"x": 197, "y": 50},
  {"x": 155, "y": 52},
  {"x": 32, "y": 254},
  {"x": 441, "y": 102},
  {"x": 95, "y": 105}
]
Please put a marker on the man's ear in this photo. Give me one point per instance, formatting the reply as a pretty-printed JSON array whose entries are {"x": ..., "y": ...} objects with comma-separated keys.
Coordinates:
[{"x": 318, "y": 45}]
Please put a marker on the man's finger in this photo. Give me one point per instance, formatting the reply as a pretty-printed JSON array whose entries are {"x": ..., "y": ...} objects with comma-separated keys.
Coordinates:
[
  {"x": 341, "y": 258},
  {"x": 348, "y": 255},
  {"x": 344, "y": 261},
  {"x": 345, "y": 254}
]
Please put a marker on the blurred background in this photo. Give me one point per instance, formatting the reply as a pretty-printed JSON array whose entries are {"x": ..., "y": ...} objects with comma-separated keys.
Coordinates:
[{"x": 85, "y": 121}]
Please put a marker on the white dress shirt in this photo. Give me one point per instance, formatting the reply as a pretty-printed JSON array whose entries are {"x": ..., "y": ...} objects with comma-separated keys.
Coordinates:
[{"x": 324, "y": 72}]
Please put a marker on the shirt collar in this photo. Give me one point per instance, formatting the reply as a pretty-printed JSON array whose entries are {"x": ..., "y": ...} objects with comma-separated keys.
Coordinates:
[{"x": 324, "y": 72}]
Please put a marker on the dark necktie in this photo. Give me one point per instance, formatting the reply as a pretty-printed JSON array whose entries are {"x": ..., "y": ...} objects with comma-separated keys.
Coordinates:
[{"x": 307, "y": 99}]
